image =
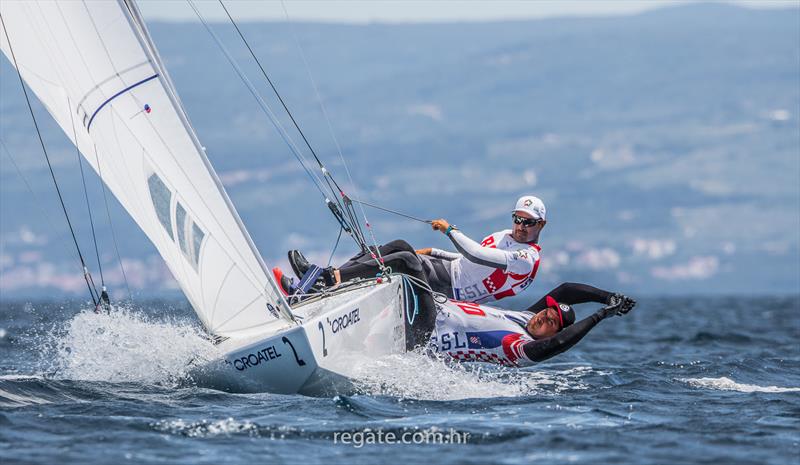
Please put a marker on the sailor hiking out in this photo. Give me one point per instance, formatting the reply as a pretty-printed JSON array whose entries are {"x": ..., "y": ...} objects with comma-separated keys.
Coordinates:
[
  {"x": 503, "y": 264},
  {"x": 469, "y": 332}
]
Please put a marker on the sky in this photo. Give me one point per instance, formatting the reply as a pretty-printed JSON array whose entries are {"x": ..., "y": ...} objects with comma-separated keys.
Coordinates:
[{"x": 365, "y": 11}]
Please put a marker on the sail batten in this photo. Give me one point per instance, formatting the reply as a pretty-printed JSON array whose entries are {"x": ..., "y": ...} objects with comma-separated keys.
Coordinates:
[{"x": 129, "y": 119}]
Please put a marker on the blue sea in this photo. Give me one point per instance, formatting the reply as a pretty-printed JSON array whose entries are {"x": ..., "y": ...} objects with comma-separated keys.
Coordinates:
[{"x": 679, "y": 380}]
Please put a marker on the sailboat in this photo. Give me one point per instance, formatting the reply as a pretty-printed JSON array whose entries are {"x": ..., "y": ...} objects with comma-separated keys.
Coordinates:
[{"x": 96, "y": 69}]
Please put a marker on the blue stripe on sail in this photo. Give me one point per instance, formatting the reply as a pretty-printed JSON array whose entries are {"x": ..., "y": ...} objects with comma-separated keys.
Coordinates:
[{"x": 117, "y": 95}]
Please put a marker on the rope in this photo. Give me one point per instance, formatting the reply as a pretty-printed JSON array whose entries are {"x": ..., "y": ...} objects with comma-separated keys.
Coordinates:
[
  {"x": 264, "y": 107},
  {"x": 277, "y": 94},
  {"x": 335, "y": 139},
  {"x": 86, "y": 195},
  {"x": 86, "y": 275},
  {"x": 328, "y": 179},
  {"x": 437, "y": 296},
  {"x": 35, "y": 198},
  {"x": 408, "y": 287},
  {"x": 351, "y": 223},
  {"x": 111, "y": 225},
  {"x": 388, "y": 210},
  {"x": 335, "y": 246}
]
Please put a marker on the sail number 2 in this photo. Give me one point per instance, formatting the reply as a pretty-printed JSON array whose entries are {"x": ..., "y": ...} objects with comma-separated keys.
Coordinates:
[
  {"x": 322, "y": 330},
  {"x": 337, "y": 324}
]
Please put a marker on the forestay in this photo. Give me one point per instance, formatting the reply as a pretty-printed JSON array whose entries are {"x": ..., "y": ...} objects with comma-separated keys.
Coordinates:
[{"x": 94, "y": 67}]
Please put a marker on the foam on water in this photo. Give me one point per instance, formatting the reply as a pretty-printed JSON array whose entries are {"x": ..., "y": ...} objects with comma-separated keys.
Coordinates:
[
  {"x": 727, "y": 384},
  {"x": 125, "y": 345},
  {"x": 415, "y": 375},
  {"x": 205, "y": 428}
]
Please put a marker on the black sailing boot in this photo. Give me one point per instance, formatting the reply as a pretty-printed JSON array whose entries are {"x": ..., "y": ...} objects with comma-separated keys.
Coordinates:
[{"x": 299, "y": 263}]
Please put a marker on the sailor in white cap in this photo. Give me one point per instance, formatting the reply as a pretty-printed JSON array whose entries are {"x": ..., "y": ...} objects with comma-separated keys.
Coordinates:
[{"x": 503, "y": 263}]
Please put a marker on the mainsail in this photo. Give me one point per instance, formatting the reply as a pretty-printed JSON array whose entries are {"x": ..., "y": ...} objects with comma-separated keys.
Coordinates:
[{"x": 94, "y": 67}]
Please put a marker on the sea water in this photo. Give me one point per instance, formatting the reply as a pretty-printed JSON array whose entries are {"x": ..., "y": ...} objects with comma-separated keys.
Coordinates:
[{"x": 679, "y": 380}]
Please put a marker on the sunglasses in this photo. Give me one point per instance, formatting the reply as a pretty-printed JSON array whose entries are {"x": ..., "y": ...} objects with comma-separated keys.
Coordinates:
[{"x": 527, "y": 222}]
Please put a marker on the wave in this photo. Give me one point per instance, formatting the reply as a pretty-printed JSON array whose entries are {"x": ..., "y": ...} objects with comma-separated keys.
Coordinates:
[
  {"x": 24, "y": 390},
  {"x": 732, "y": 337},
  {"x": 415, "y": 375},
  {"x": 13, "y": 394},
  {"x": 727, "y": 384},
  {"x": 124, "y": 345}
]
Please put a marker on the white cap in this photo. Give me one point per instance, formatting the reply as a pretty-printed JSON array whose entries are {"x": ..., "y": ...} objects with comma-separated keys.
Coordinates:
[{"x": 532, "y": 206}]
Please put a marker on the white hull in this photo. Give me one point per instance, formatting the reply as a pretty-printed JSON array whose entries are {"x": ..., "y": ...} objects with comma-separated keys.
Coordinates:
[{"x": 319, "y": 356}]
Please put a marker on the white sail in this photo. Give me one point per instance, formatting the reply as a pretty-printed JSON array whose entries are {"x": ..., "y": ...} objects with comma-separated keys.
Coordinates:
[{"x": 94, "y": 67}]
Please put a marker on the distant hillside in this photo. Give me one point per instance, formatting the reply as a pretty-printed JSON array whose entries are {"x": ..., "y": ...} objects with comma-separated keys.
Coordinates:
[{"x": 666, "y": 145}]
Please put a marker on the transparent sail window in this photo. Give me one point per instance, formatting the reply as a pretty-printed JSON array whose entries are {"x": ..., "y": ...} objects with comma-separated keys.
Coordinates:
[
  {"x": 197, "y": 241},
  {"x": 162, "y": 198},
  {"x": 180, "y": 220},
  {"x": 190, "y": 236}
]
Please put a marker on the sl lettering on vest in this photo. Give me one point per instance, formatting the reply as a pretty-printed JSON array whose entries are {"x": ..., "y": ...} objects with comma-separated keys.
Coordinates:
[
  {"x": 478, "y": 333},
  {"x": 342, "y": 322},
  {"x": 480, "y": 283},
  {"x": 251, "y": 360}
]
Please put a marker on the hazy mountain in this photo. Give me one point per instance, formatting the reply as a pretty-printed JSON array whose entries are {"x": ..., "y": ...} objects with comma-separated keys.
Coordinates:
[{"x": 666, "y": 145}]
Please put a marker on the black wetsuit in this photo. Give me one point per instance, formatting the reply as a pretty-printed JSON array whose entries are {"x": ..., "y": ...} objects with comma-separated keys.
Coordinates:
[{"x": 401, "y": 258}]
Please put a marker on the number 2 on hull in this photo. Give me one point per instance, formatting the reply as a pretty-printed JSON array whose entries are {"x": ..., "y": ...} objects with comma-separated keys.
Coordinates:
[{"x": 322, "y": 329}]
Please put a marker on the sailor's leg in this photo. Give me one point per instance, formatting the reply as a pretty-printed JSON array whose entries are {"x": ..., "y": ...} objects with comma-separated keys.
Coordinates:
[
  {"x": 398, "y": 255},
  {"x": 437, "y": 273},
  {"x": 365, "y": 258}
]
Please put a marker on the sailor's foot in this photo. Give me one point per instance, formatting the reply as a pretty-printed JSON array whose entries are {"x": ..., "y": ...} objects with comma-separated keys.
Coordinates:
[
  {"x": 284, "y": 282},
  {"x": 299, "y": 263}
]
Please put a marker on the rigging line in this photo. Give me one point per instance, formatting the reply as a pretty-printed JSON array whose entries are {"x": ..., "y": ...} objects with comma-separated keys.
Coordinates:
[
  {"x": 335, "y": 246},
  {"x": 327, "y": 120},
  {"x": 86, "y": 275},
  {"x": 274, "y": 89},
  {"x": 86, "y": 194},
  {"x": 389, "y": 210},
  {"x": 353, "y": 226},
  {"x": 357, "y": 234},
  {"x": 284, "y": 135},
  {"x": 39, "y": 204},
  {"x": 111, "y": 224},
  {"x": 35, "y": 198}
]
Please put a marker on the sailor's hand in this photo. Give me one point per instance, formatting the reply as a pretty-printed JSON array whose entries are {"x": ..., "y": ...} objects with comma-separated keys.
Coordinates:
[
  {"x": 425, "y": 251},
  {"x": 621, "y": 303},
  {"x": 440, "y": 225}
]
